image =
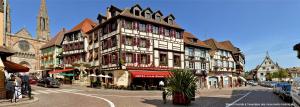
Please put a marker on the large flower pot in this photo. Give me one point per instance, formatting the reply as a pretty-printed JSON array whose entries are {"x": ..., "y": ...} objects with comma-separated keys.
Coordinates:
[{"x": 180, "y": 98}]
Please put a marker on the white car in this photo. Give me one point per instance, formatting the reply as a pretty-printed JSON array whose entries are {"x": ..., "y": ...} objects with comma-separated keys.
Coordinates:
[{"x": 296, "y": 92}]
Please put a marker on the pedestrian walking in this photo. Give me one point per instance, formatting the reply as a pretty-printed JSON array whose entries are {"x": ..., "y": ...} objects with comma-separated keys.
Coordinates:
[
  {"x": 10, "y": 87},
  {"x": 25, "y": 84},
  {"x": 164, "y": 96},
  {"x": 18, "y": 82}
]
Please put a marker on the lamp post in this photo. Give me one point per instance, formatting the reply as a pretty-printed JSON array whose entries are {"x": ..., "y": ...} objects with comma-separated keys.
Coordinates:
[
  {"x": 4, "y": 21},
  {"x": 297, "y": 48}
]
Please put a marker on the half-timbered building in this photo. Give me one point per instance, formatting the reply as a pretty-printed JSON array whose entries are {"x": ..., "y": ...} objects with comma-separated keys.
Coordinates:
[
  {"x": 197, "y": 58},
  {"x": 222, "y": 69},
  {"x": 138, "y": 46}
]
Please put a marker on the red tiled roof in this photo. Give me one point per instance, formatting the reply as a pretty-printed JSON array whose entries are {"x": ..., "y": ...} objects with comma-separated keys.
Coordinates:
[
  {"x": 56, "y": 41},
  {"x": 187, "y": 36},
  {"x": 228, "y": 45},
  {"x": 126, "y": 13},
  {"x": 86, "y": 25}
]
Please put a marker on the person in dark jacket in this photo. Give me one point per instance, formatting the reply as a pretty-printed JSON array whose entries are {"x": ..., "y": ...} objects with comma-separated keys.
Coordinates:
[
  {"x": 25, "y": 84},
  {"x": 164, "y": 96}
]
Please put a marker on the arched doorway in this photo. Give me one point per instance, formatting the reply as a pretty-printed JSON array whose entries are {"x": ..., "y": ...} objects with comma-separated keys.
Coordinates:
[{"x": 213, "y": 82}]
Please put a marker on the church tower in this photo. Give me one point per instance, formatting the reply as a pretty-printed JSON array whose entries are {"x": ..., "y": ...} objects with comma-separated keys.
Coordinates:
[{"x": 43, "y": 31}]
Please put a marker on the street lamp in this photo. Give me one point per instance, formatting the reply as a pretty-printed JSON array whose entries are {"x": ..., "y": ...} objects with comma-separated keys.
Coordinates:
[{"x": 297, "y": 48}]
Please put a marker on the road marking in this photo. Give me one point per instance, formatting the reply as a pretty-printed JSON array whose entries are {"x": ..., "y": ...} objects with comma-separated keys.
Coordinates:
[
  {"x": 130, "y": 96},
  {"x": 111, "y": 104},
  {"x": 238, "y": 100},
  {"x": 35, "y": 93},
  {"x": 52, "y": 91},
  {"x": 224, "y": 95},
  {"x": 40, "y": 91}
]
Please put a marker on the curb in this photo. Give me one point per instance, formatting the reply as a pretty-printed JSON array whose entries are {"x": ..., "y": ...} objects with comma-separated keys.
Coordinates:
[{"x": 35, "y": 99}]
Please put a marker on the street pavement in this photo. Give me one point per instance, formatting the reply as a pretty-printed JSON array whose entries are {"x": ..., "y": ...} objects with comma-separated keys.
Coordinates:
[{"x": 80, "y": 96}]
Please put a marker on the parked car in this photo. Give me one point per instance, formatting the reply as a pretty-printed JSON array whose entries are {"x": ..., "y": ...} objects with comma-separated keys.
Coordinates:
[
  {"x": 272, "y": 83},
  {"x": 278, "y": 87},
  {"x": 32, "y": 81},
  {"x": 296, "y": 92},
  {"x": 285, "y": 92},
  {"x": 253, "y": 83},
  {"x": 48, "y": 82}
]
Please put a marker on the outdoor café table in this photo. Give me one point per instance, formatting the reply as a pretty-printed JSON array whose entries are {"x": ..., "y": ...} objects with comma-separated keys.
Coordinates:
[
  {"x": 139, "y": 87},
  {"x": 153, "y": 87}
]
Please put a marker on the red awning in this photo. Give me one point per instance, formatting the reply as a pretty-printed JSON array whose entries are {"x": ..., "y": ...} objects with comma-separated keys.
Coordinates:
[
  {"x": 59, "y": 71},
  {"x": 12, "y": 67},
  {"x": 150, "y": 74}
]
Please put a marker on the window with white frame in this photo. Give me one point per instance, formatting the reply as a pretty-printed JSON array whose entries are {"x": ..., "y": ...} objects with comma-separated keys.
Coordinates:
[
  {"x": 203, "y": 65},
  {"x": 167, "y": 32},
  {"x": 128, "y": 24},
  {"x": 191, "y": 65},
  {"x": 143, "y": 43},
  {"x": 163, "y": 59},
  {"x": 142, "y": 27},
  {"x": 129, "y": 58},
  {"x": 191, "y": 51},
  {"x": 155, "y": 29},
  {"x": 128, "y": 40},
  {"x": 176, "y": 60},
  {"x": 143, "y": 59},
  {"x": 178, "y": 35}
]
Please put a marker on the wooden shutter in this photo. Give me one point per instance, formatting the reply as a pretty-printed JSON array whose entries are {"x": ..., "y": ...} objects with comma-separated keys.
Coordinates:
[
  {"x": 109, "y": 43},
  {"x": 147, "y": 43},
  {"x": 116, "y": 58},
  {"x": 109, "y": 58},
  {"x": 103, "y": 59},
  {"x": 148, "y": 59},
  {"x": 134, "y": 41},
  {"x": 139, "y": 58},
  {"x": 138, "y": 41},
  {"x": 150, "y": 28},
  {"x": 123, "y": 37},
  {"x": 137, "y": 25},
  {"x": 134, "y": 58},
  {"x": 124, "y": 56}
]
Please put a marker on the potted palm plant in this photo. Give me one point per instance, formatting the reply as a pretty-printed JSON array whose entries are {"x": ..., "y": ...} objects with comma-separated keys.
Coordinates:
[{"x": 181, "y": 85}]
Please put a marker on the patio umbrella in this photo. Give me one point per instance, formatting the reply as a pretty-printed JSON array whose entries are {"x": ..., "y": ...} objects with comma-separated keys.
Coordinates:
[
  {"x": 106, "y": 76},
  {"x": 100, "y": 75},
  {"x": 92, "y": 75}
]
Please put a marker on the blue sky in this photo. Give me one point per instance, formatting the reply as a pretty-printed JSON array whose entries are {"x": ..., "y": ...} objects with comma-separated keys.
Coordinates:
[{"x": 255, "y": 26}]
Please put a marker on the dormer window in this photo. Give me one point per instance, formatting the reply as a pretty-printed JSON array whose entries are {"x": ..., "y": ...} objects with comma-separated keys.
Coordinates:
[
  {"x": 136, "y": 12},
  {"x": 148, "y": 15},
  {"x": 170, "y": 21},
  {"x": 113, "y": 13},
  {"x": 157, "y": 18}
]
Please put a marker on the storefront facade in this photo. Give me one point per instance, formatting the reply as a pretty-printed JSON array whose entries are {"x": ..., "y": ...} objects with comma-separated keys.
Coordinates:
[{"x": 136, "y": 38}]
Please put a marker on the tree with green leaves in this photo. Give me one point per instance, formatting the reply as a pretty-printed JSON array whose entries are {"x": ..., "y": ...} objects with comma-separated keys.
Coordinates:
[
  {"x": 181, "y": 83},
  {"x": 269, "y": 77},
  {"x": 281, "y": 73}
]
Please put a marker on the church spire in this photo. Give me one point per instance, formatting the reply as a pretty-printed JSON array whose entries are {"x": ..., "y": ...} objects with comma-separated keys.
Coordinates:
[
  {"x": 267, "y": 54},
  {"x": 43, "y": 31}
]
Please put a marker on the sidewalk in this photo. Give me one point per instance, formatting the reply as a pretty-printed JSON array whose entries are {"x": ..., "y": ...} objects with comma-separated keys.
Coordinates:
[{"x": 7, "y": 102}]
